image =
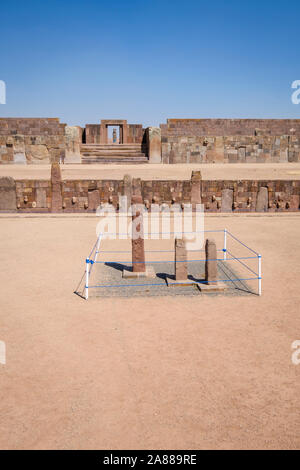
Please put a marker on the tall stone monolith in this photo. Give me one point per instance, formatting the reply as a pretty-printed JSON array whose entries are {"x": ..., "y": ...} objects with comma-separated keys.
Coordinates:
[
  {"x": 8, "y": 199},
  {"x": 127, "y": 192},
  {"x": 154, "y": 144},
  {"x": 196, "y": 188},
  {"x": 262, "y": 200},
  {"x": 227, "y": 200},
  {"x": 56, "y": 188},
  {"x": 211, "y": 269},
  {"x": 137, "y": 240},
  {"x": 180, "y": 260}
]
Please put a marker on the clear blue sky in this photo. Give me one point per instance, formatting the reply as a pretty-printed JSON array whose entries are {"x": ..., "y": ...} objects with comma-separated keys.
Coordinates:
[{"x": 149, "y": 60}]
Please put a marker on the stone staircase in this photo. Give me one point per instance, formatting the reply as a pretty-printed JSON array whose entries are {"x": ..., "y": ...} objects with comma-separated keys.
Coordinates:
[{"x": 113, "y": 153}]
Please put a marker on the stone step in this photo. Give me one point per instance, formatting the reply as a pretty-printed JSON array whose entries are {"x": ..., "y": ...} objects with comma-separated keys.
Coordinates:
[
  {"x": 115, "y": 157},
  {"x": 112, "y": 155},
  {"x": 112, "y": 146},
  {"x": 129, "y": 161}
]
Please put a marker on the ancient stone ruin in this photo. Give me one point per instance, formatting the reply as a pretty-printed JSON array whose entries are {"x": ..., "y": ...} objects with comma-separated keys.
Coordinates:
[
  {"x": 83, "y": 195},
  {"x": 139, "y": 268},
  {"x": 46, "y": 140},
  {"x": 181, "y": 271}
]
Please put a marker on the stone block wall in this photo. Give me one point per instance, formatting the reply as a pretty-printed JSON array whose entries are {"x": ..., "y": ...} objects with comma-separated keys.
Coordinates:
[
  {"x": 92, "y": 134},
  {"x": 33, "y": 195},
  {"x": 46, "y": 140},
  {"x": 282, "y": 195},
  {"x": 135, "y": 134},
  {"x": 86, "y": 195},
  {"x": 31, "y": 141},
  {"x": 230, "y": 141}
]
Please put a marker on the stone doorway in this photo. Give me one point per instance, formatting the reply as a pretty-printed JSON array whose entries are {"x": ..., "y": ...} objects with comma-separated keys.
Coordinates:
[
  {"x": 113, "y": 135},
  {"x": 113, "y": 131}
]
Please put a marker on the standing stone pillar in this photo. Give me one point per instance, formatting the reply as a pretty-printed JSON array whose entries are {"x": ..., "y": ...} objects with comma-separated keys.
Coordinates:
[
  {"x": 262, "y": 201},
  {"x": 8, "y": 198},
  {"x": 227, "y": 200},
  {"x": 137, "y": 239},
  {"x": 73, "y": 138},
  {"x": 56, "y": 188},
  {"x": 139, "y": 268},
  {"x": 180, "y": 260},
  {"x": 127, "y": 191},
  {"x": 196, "y": 188},
  {"x": 137, "y": 187},
  {"x": 154, "y": 144},
  {"x": 211, "y": 270}
]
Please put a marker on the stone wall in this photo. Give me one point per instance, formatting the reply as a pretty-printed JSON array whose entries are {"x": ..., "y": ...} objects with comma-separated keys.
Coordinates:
[
  {"x": 230, "y": 141},
  {"x": 31, "y": 141},
  {"x": 135, "y": 134},
  {"x": 33, "y": 195},
  {"x": 228, "y": 127},
  {"x": 92, "y": 134},
  {"x": 85, "y": 195},
  {"x": 46, "y": 140}
]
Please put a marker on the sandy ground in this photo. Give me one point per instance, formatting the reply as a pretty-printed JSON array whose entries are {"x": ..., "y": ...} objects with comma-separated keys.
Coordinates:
[
  {"x": 142, "y": 373},
  {"x": 287, "y": 171}
]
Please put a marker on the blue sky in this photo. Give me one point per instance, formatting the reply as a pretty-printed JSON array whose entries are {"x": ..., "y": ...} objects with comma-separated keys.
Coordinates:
[{"x": 146, "y": 61}]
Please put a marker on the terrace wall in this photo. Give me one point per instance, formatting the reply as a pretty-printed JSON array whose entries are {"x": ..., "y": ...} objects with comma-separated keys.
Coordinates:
[
  {"x": 230, "y": 140},
  {"x": 86, "y": 195}
]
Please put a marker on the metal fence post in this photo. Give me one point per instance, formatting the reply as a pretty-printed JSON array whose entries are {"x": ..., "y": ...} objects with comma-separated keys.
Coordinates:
[
  {"x": 225, "y": 245},
  {"x": 259, "y": 274},
  {"x": 87, "y": 261}
]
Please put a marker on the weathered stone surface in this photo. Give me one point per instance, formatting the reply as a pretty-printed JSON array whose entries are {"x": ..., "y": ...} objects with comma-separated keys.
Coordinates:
[
  {"x": 56, "y": 188},
  {"x": 123, "y": 204},
  {"x": 154, "y": 144},
  {"x": 55, "y": 173},
  {"x": 19, "y": 149},
  {"x": 227, "y": 200},
  {"x": 41, "y": 198},
  {"x": 181, "y": 271},
  {"x": 37, "y": 154},
  {"x": 282, "y": 193},
  {"x": 127, "y": 181},
  {"x": 262, "y": 200},
  {"x": 136, "y": 186},
  {"x": 73, "y": 140},
  {"x": 211, "y": 270},
  {"x": 20, "y": 157},
  {"x": 137, "y": 241},
  {"x": 230, "y": 141},
  {"x": 196, "y": 187},
  {"x": 8, "y": 200},
  {"x": 93, "y": 200}
]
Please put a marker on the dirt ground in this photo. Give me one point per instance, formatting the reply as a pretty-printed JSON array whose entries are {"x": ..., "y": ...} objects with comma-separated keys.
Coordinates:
[
  {"x": 145, "y": 373},
  {"x": 209, "y": 171}
]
